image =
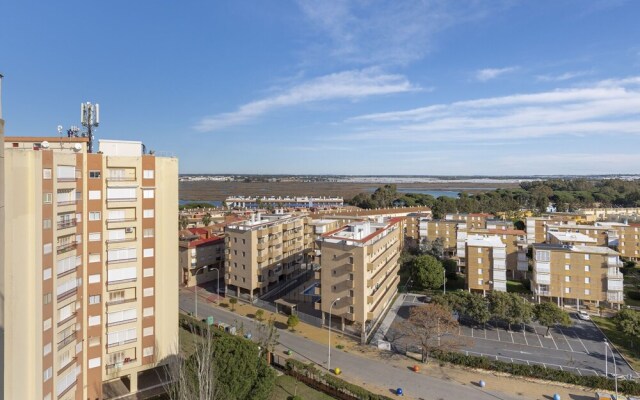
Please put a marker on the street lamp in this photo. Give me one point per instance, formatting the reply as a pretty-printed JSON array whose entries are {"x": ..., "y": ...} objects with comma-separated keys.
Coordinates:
[
  {"x": 329, "y": 359},
  {"x": 195, "y": 287},
  {"x": 615, "y": 367},
  {"x": 444, "y": 282},
  {"x": 606, "y": 360}
]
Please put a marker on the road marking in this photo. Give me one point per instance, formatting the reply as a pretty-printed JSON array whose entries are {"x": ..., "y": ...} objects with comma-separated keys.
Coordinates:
[
  {"x": 524, "y": 334},
  {"x": 485, "y": 331},
  {"x": 511, "y": 333},
  {"x": 580, "y": 340},
  {"x": 566, "y": 340},
  {"x": 498, "y": 330},
  {"x": 554, "y": 342}
]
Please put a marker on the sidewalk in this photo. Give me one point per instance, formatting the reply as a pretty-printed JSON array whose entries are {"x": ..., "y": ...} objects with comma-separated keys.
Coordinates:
[{"x": 513, "y": 386}]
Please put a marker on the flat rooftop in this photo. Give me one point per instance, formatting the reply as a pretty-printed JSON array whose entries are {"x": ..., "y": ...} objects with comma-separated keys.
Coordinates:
[
  {"x": 485, "y": 241},
  {"x": 577, "y": 249},
  {"x": 572, "y": 237}
]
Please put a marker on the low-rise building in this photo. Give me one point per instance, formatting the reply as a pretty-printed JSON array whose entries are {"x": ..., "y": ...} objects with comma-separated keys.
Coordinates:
[
  {"x": 516, "y": 249},
  {"x": 264, "y": 251},
  {"x": 486, "y": 263},
  {"x": 445, "y": 230},
  {"x": 570, "y": 238},
  {"x": 257, "y": 202},
  {"x": 201, "y": 257},
  {"x": 359, "y": 271},
  {"x": 473, "y": 220},
  {"x": 628, "y": 241},
  {"x": 577, "y": 274}
]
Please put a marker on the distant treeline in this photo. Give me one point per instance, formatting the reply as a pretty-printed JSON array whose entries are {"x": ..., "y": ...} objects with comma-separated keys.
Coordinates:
[{"x": 565, "y": 194}]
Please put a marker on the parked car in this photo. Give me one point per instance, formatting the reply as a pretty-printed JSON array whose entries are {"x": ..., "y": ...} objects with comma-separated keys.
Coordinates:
[{"x": 584, "y": 316}]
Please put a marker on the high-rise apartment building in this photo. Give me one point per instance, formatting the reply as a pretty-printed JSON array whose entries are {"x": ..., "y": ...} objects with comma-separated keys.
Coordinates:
[
  {"x": 91, "y": 291},
  {"x": 264, "y": 251},
  {"x": 572, "y": 274},
  {"x": 486, "y": 263},
  {"x": 359, "y": 270},
  {"x": 2, "y": 266}
]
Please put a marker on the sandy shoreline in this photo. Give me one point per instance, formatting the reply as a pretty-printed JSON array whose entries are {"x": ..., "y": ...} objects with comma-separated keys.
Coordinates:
[{"x": 211, "y": 191}]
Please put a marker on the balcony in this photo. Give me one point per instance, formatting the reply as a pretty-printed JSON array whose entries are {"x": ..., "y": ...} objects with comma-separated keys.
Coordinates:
[
  {"x": 615, "y": 297},
  {"x": 122, "y": 364},
  {"x": 69, "y": 293},
  {"x": 614, "y": 285},
  {"x": 69, "y": 223},
  {"x": 543, "y": 279},
  {"x": 123, "y": 240},
  {"x": 67, "y": 340},
  {"x": 122, "y": 260},
  {"x": 69, "y": 318},
  {"x": 120, "y": 301},
  {"x": 542, "y": 267},
  {"x": 120, "y": 220},
  {"x": 77, "y": 175},
  {"x": 66, "y": 247},
  {"x": 62, "y": 203}
]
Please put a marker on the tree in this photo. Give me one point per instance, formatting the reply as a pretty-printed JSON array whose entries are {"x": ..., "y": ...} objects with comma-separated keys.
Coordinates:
[
  {"x": 628, "y": 321},
  {"x": 184, "y": 222},
  {"x": 477, "y": 309},
  {"x": 509, "y": 308},
  {"x": 206, "y": 219},
  {"x": 292, "y": 322},
  {"x": 233, "y": 301},
  {"x": 549, "y": 314},
  {"x": 427, "y": 272},
  {"x": 259, "y": 315},
  {"x": 432, "y": 327},
  {"x": 434, "y": 247}
]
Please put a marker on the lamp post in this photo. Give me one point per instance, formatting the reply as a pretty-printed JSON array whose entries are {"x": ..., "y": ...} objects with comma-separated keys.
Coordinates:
[
  {"x": 615, "y": 367},
  {"x": 329, "y": 358},
  {"x": 444, "y": 282},
  {"x": 606, "y": 360}
]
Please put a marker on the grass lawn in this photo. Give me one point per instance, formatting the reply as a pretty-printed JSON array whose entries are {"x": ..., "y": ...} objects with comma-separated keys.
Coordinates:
[
  {"x": 187, "y": 341},
  {"x": 286, "y": 386},
  {"x": 629, "y": 346},
  {"x": 516, "y": 287}
]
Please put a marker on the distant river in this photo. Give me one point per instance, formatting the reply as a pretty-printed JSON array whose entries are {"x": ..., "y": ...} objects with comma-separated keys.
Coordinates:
[{"x": 436, "y": 192}]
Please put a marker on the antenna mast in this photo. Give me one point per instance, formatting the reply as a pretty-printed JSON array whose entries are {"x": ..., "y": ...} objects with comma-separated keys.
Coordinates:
[{"x": 90, "y": 119}]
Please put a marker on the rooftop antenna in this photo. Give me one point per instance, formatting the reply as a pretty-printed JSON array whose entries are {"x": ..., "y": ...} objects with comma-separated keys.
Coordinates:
[{"x": 90, "y": 119}]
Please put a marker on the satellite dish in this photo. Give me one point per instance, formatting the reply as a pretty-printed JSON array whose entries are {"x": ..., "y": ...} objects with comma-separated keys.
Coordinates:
[
  {"x": 60, "y": 129},
  {"x": 45, "y": 145},
  {"x": 77, "y": 147}
]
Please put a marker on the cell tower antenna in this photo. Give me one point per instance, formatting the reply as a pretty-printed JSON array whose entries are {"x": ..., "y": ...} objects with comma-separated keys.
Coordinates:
[{"x": 90, "y": 119}]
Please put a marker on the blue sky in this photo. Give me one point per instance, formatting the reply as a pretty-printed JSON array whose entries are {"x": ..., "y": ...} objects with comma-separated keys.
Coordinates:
[{"x": 338, "y": 87}]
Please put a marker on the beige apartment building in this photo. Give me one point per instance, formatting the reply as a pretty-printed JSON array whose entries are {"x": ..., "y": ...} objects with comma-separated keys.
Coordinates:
[
  {"x": 447, "y": 230},
  {"x": 577, "y": 274},
  {"x": 201, "y": 257},
  {"x": 264, "y": 251},
  {"x": 92, "y": 299},
  {"x": 412, "y": 226},
  {"x": 486, "y": 263},
  {"x": 472, "y": 220},
  {"x": 628, "y": 241},
  {"x": 515, "y": 247},
  {"x": 536, "y": 227},
  {"x": 599, "y": 234},
  {"x": 2, "y": 266},
  {"x": 359, "y": 271}
]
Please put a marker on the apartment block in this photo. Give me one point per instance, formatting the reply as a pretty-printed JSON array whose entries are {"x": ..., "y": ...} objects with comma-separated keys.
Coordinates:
[
  {"x": 92, "y": 300},
  {"x": 256, "y": 202},
  {"x": 412, "y": 226},
  {"x": 264, "y": 251},
  {"x": 577, "y": 274},
  {"x": 201, "y": 257},
  {"x": 536, "y": 227},
  {"x": 628, "y": 241},
  {"x": 446, "y": 230},
  {"x": 598, "y": 234},
  {"x": 486, "y": 263},
  {"x": 473, "y": 220},
  {"x": 516, "y": 249},
  {"x": 2, "y": 266},
  {"x": 359, "y": 271}
]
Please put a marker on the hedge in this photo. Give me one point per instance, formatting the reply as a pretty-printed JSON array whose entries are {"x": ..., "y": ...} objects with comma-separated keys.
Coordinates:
[
  {"x": 537, "y": 371},
  {"x": 310, "y": 371}
]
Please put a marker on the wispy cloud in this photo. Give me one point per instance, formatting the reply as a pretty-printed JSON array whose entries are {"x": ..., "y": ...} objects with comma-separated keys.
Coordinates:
[
  {"x": 487, "y": 74},
  {"x": 383, "y": 31},
  {"x": 354, "y": 84},
  {"x": 562, "y": 77},
  {"x": 606, "y": 107}
]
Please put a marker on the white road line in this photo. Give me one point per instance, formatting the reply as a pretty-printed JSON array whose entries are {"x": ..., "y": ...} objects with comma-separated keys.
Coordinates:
[
  {"x": 511, "y": 333},
  {"x": 498, "y": 330},
  {"x": 566, "y": 340},
  {"x": 538, "y": 336},
  {"x": 471, "y": 331},
  {"x": 524, "y": 334},
  {"x": 485, "y": 331},
  {"x": 582, "y": 343},
  {"x": 554, "y": 342}
]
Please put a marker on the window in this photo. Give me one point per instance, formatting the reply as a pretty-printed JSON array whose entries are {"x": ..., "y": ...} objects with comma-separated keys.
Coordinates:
[
  {"x": 46, "y": 223},
  {"x": 567, "y": 256},
  {"x": 93, "y": 258},
  {"x": 567, "y": 267},
  {"x": 147, "y": 272},
  {"x": 121, "y": 316},
  {"x": 46, "y": 299},
  {"x": 543, "y": 256},
  {"x": 480, "y": 282},
  {"x": 46, "y": 349},
  {"x": 479, "y": 260},
  {"x": 147, "y": 312},
  {"x": 66, "y": 172},
  {"x": 148, "y": 331},
  {"x": 48, "y": 373},
  {"x": 46, "y": 325},
  {"x": 479, "y": 271},
  {"x": 48, "y": 198},
  {"x": 94, "y": 215},
  {"x": 567, "y": 290},
  {"x": 146, "y": 292},
  {"x": 587, "y": 279},
  {"x": 94, "y": 320},
  {"x": 147, "y": 194},
  {"x": 121, "y": 254},
  {"x": 116, "y": 296},
  {"x": 587, "y": 292},
  {"x": 46, "y": 173},
  {"x": 121, "y": 194},
  {"x": 46, "y": 274},
  {"x": 567, "y": 279},
  {"x": 479, "y": 250},
  {"x": 94, "y": 174},
  {"x": 94, "y": 236},
  {"x": 95, "y": 195},
  {"x": 148, "y": 233},
  {"x": 587, "y": 257},
  {"x": 147, "y": 174},
  {"x": 94, "y": 362},
  {"x": 121, "y": 337},
  {"x": 147, "y": 351},
  {"x": 148, "y": 213},
  {"x": 94, "y": 278},
  {"x": 95, "y": 299},
  {"x": 587, "y": 268},
  {"x": 121, "y": 274},
  {"x": 147, "y": 252},
  {"x": 94, "y": 341}
]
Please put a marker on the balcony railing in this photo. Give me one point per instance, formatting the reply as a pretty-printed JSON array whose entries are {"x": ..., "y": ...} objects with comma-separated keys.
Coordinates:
[
  {"x": 67, "y": 340},
  {"x": 121, "y": 179},
  {"x": 67, "y": 294},
  {"x": 67, "y": 223},
  {"x": 116, "y": 220},
  {"x": 120, "y": 301},
  {"x": 123, "y": 240},
  {"x": 122, "y": 200},
  {"x": 122, "y": 260},
  {"x": 66, "y": 203},
  {"x": 122, "y": 363},
  {"x": 121, "y": 343},
  {"x": 63, "y": 248},
  {"x": 127, "y": 321}
]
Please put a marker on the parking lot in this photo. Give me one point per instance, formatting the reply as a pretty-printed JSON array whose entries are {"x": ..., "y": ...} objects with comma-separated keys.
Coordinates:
[{"x": 579, "y": 348}]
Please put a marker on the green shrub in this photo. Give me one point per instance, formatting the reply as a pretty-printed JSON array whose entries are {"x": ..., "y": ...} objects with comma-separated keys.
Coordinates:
[
  {"x": 634, "y": 295},
  {"x": 294, "y": 398}
]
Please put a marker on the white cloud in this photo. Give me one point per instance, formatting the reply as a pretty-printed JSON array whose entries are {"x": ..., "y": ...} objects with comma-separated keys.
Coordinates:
[
  {"x": 487, "y": 74},
  {"x": 605, "y": 108},
  {"x": 383, "y": 31},
  {"x": 355, "y": 84},
  {"x": 562, "y": 77}
]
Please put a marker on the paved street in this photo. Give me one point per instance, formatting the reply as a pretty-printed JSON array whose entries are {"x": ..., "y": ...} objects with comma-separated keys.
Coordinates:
[
  {"x": 579, "y": 348},
  {"x": 377, "y": 374}
]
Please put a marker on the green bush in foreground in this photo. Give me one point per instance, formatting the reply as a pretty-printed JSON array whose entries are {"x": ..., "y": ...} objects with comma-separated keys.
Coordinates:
[{"x": 538, "y": 372}]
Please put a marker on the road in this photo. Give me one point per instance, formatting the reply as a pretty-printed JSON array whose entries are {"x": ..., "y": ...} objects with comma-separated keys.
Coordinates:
[{"x": 359, "y": 369}]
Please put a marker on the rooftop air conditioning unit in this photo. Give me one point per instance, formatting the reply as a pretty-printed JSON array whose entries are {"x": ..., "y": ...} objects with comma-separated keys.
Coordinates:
[{"x": 128, "y": 230}]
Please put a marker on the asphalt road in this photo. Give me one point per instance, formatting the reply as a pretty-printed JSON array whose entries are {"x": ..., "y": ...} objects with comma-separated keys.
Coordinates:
[
  {"x": 375, "y": 374},
  {"x": 579, "y": 348}
]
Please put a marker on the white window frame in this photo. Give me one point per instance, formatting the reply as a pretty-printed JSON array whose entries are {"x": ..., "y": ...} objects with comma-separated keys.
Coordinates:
[
  {"x": 148, "y": 193},
  {"x": 94, "y": 216},
  {"x": 148, "y": 213},
  {"x": 95, "y": 195},
  {"x": 148, "y": 174}
]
